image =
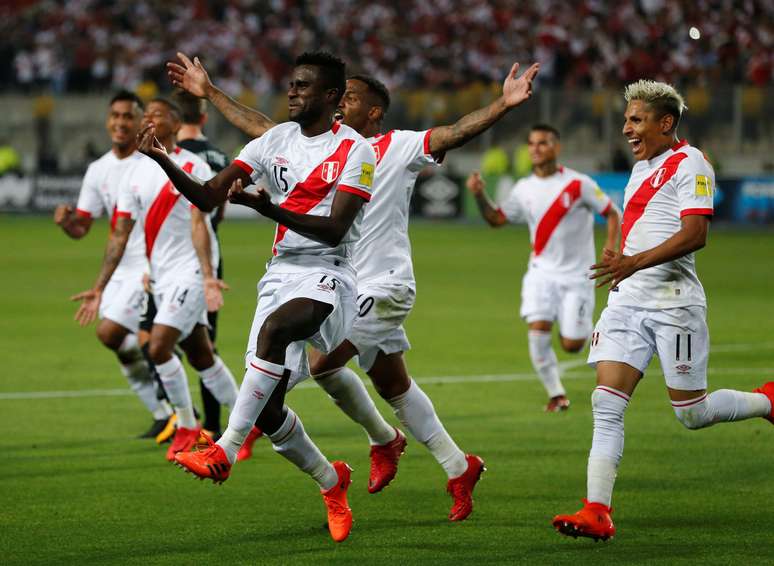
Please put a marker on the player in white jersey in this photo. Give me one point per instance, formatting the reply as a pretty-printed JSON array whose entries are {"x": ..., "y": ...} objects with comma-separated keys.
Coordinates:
[
  {"x": 177, "y": 244},
  {"x": 319, "y": 175},
  {"x": 558, "y": 204},
  {"x": 656, "y": 304},
  {"x": 124, "y": 297},
  {"x": 386, "y": 286}
]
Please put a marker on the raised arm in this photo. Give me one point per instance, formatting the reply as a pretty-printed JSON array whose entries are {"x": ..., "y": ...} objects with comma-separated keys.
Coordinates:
[
  {"x": 515, "y": 91},
  {"x": 205, "y": 195},
  {"x": 615, "y": 267},
  {"x": 73, "y": 224},
  {"x": 114, "y": 251},
  {"x": 326, "y": 229},
  {"x": 491, "y": 213},
  {"x": 192, "y": 77}
]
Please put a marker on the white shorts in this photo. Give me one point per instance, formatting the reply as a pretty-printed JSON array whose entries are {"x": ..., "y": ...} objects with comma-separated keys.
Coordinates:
[
  {"x": 679, "y": 336},
  {"x": 549, "y": 298},
  {"x": 382, "y": 308},
  {"x": 123, "y": 302},
  {"x": 321, "y": 281},
  {"x": 180, "y": 303}
]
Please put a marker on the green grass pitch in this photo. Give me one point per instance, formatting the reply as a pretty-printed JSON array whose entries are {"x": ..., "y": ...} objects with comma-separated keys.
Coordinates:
[{"x": 77, "y": 487}]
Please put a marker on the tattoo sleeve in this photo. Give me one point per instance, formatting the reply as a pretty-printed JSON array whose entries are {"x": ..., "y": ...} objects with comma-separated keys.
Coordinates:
[
  {"x": 248, "y": 120},
  {"x": 444, "y": 138}
]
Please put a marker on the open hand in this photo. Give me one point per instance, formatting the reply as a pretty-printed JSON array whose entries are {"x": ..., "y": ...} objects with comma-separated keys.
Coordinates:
[
  {"x": 475, "y": 183},
  {"x": 89, "y": 309},
  {"x": 149, "y": 144},
  {"x": 258, "y": 200},
  {"x": 613, "y": 268},
  {"x": 191, "y": 76},
  {"x": 517, "y": 90},
  {"x": 213, "y": 293}
]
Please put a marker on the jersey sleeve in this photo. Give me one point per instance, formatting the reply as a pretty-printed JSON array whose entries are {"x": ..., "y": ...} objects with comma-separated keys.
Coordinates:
[
  {"x": 511, "y": 207},
  {"x": 593, "y": 197},
  {"x": 415, "y": 148},
  {"x": 358, "y": 174},
  {"x": 252, "y": 158},
  {"x": 128, "y": 203},
  {"x": 89, "y": 202},
  {"x": 695, "y": 185}
]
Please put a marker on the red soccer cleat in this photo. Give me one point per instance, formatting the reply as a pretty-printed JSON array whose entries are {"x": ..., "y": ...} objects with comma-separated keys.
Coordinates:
[
  {"x": 384, "y": 462},
  {"x": 339, "y": 513},
  {"x": 767, "y": 389},
  {"x": 461, "y": 488},
  {"x": 557, "y": 404},
  {"x": 183, "y": 441},
  {"x": 593, "y": 521},
  {"x": 210, "y": 463},
  {"x": 246, "y": 451}
]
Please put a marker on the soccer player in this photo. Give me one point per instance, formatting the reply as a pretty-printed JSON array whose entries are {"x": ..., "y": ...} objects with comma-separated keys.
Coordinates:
[
  {"x": 178, "y": 247},
  {"x": 558, "y": 204},
  {"x": 386, "y": 286},
  {"x": 191, "y": 137},
  {"x": 123, "y": 299},
  {"x": 656, "y": 304},
  {"x": 320, "y": 173}
]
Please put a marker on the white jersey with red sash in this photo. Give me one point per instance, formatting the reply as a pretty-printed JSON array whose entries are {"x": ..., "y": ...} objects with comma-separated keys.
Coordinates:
[
  {"x": 303, "y": 175},
  {"x": 99, "y": 196},
  {"x": 559, "y": 210},
  {"x": 660, "y": 192},
  {"x": 148, "y": 196}
]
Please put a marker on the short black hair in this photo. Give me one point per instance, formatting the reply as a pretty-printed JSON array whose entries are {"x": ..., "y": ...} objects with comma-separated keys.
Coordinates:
[
  {"x": 545, "y": 128},
  {"x": 127, "y": 95},
  {"x": 376, "y": 87},
  {"x": 174, "y": 108},
  {"x": 192, "y": 108},
  {"x": 334, "y": 69}
]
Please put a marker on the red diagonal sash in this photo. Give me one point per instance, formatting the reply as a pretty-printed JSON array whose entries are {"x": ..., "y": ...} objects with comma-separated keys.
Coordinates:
[
  {"x": 558, "y": 209},
  {"x": 159, "y": 211}
]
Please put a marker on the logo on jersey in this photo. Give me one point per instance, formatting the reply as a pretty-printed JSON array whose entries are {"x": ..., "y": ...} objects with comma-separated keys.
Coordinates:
[
  {"x": 566, "y": 200},
  {"x": 598, "y": 193},
  {"x": 703, "y": 186},
  {"x": 279, "y": 160},
  {"x": 683, "y": 369},
  {"x": 378, "y": 152},
  {"x": 367, "y": 174},
  {"x": 330, "y": 171},
  {"x": 658, "y": 178}
]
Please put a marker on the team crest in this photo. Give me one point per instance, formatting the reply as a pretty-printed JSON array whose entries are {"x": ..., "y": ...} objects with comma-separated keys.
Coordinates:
[
  {"x": 658, "y": 178},
  {"x": 378, "y": 152},
  {"x": 330, "y": 171}
]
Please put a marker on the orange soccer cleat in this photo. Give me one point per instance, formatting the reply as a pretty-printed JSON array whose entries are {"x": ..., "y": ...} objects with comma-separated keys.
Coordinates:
[
  {"x": 593, "y": 521},
  {"x": 339, "y": 513},
  {"x": 384, "y": 462},
  {"x": 210, "y": 463},
  {"x": 557, "y": 404},
  {"x": 246, "y": 451},
  {"x": 183, "y": 441},
  {"x": 461, "y": 488},
  {"x": 767, "y": 389}
]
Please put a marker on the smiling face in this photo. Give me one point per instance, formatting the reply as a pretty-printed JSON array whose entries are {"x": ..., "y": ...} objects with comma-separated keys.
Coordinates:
[
  {"x": 165, "y": 121},
  {"x": 308, "y": 99},
  {"x": 123, "y": 123},
  {"x": 543, "y": 147},
  {"x": 357, "y": 105},
  {"x": 648, "y": 133}
]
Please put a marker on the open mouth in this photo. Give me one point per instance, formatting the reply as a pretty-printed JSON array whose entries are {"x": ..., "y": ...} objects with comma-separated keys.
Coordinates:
[
  {"x": 338, "y": 115},
  {"x": 636, "y": 144}
]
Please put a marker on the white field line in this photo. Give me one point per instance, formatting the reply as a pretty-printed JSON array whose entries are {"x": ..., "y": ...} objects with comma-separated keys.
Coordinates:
[{"x": 566, "y": 368}]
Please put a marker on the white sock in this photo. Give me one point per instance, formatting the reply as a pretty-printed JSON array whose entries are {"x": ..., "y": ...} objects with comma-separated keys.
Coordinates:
[
  {"x": 349, "y": 393},
  {"x": 723, "y": 405},
  {"x": 291, "y": 441},
  {"x": 261, "y": 377},
  {"x": 140, "y": 381},
  {"x": 221, "y": 383},
  {"x": 543, "y": 357},
  {"x": 416, "y": 412},
  {"x": 175, "y": 384},
  {"x": 608, "y": 406}
]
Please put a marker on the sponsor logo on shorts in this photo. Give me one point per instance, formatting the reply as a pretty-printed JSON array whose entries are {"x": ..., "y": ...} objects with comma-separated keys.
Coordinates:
[
  {"x": 324, "y": 287},
  {"x": 258, "y": 394},
  {"x": 682, "y": 369}
]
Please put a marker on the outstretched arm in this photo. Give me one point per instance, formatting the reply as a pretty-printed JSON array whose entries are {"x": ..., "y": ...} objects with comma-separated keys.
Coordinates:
[
  {"x": 615, "y": 267},
  {"x": 192, "y": 77},
  {"x": 515, "y": 91},
  {"x": 73, "y": 224},
  {"x": 326, "y": 229},
  {"x": 114, "y": 251},
  {"x": 491, "y": 213},
  {"x": 205, "y": 195}
]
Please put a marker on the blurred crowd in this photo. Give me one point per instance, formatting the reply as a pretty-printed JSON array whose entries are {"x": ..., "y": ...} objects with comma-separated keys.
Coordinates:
[{"x": 249, "y": 45}]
